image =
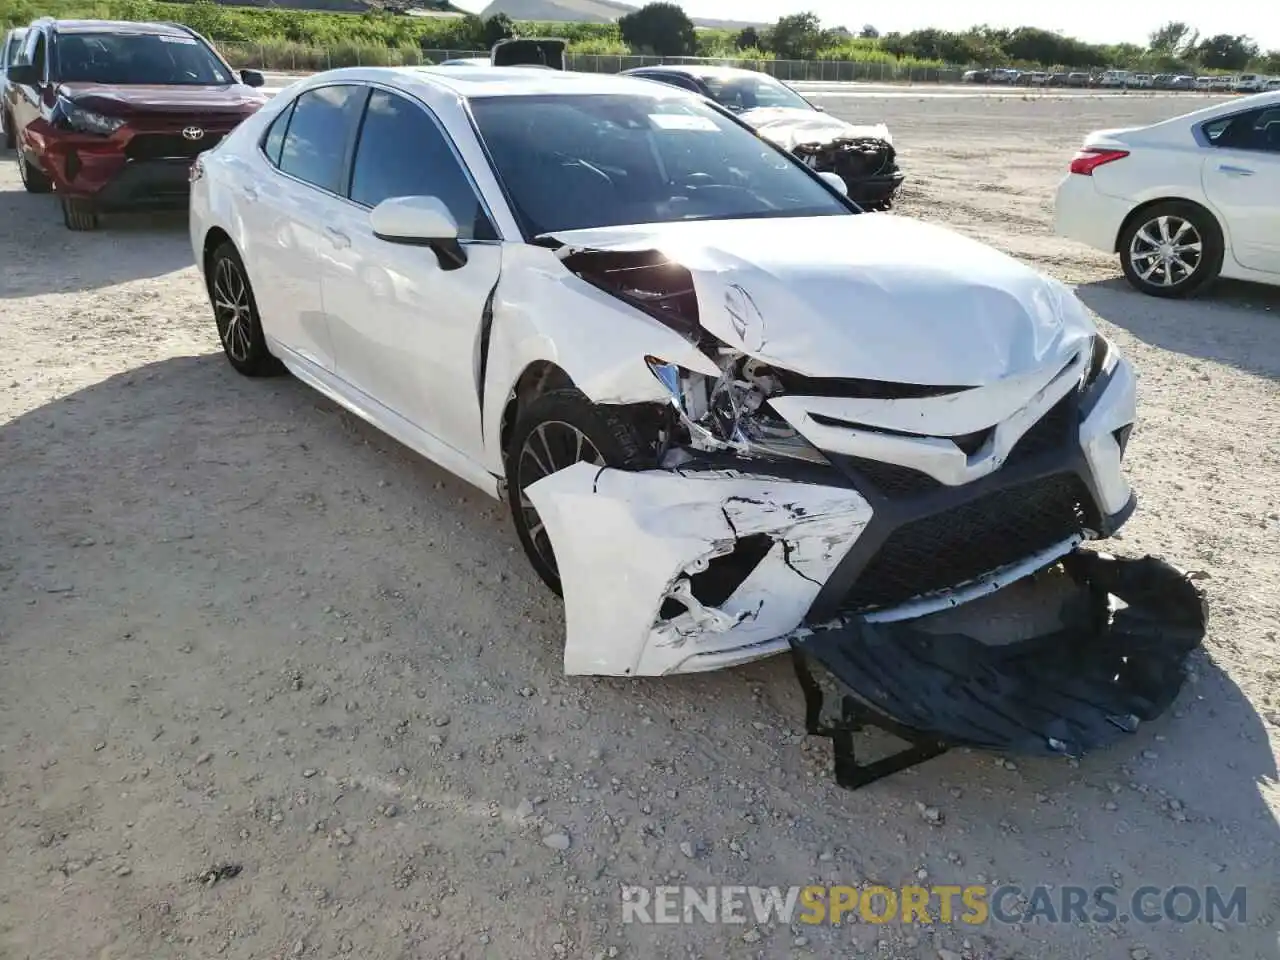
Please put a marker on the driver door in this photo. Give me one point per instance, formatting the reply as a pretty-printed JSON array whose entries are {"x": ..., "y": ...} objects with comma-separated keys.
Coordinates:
[{"x": 405, "y": 327}]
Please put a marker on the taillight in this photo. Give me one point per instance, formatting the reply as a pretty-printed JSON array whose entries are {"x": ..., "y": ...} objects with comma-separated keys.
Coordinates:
[{"x": 1091, "y": 158}]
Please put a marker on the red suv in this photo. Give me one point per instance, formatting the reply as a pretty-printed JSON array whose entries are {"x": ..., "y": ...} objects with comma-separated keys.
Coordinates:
[{"x": 110, "y": 115}]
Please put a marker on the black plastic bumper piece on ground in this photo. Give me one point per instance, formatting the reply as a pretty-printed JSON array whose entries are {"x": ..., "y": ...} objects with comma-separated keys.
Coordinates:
[{"x": 1060, "y": 694}]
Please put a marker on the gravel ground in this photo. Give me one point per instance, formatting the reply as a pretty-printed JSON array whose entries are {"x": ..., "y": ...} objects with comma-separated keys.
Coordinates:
[{"x": 238, "y": 627}]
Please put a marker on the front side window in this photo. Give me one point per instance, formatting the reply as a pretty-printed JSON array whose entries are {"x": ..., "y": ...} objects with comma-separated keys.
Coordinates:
[
  {"x": 138, "y": 58},
  {"x": 403, "y": 153},
  {"x": 315, "y": 145},
  {"x": 749, "y": 92},
  {"x": 572, "y": 162},
  {"x": 1254, "y": 130}
]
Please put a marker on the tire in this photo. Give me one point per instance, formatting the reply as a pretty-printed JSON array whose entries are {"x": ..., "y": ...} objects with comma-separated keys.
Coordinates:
[
  {"x": 235, "y": 314},
  {"x": 32, "y": 179},
  {"x": 1162, "y": 241},
  {"x": 550, "y": 422},
  {"x": 79, "y": 214}
]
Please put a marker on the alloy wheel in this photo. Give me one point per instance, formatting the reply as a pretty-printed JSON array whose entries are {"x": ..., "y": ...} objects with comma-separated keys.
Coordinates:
[
  {"x": 1166, "y": 251},
  {"x": 232, "y": 310},
  {"x": 551, "y": 447}
]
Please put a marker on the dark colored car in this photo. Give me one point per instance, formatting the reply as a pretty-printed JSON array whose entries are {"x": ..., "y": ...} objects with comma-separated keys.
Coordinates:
[
  {"x": 109, "y": 116},
  {"x": 868, "y": 165}
]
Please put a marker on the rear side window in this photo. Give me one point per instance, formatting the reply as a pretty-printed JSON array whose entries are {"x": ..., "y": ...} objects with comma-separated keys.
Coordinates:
[
  {"x": 273, "y": 142},
  {"x": 315, "y": 143},
  {"x": 1254, "y": 130},
  {"x": 403, "y": 153}
]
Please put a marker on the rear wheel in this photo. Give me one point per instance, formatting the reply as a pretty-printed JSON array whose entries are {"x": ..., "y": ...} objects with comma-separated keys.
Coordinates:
[
  {"x": 79, "y": 214},
  {"x": 235, "y": 312},
  {"x": 32, "y": 179},
  {"x": 1171, "y": 249},
  {"x": 556, "y": 430}
]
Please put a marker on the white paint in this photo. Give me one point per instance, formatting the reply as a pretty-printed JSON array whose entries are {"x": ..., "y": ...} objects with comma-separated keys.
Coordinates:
[
  {"x": 880, "y": 298},
  {"x": 626, "y": 541},
  {"x": 1168, "y": 161},
  {"x": 789, "y": 127}
]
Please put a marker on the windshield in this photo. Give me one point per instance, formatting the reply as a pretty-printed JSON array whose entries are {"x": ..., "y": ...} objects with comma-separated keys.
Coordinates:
[
  {"x": 751, "y": 91},
  {"x": 572, "y": 162},
  {"x": 117, "y": 58}
]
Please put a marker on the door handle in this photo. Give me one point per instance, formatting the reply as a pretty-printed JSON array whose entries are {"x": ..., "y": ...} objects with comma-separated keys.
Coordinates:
[
  {"x": 339, "y": 239},
  {"x": 1235, "y": 171}
]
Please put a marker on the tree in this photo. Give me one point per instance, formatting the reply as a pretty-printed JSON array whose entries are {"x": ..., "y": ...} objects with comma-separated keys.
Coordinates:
[
  {"x": 796, "y": 37},
  {"x": 748, "y": 39},
  {"x": 1271, "y": 62},
  {"x": 1173, "y": 38},
  {"x": 661, "y": 27},
  {"x": 869, "y": 32},
  {"x": 498, "y": 27},
  {"x": 1225, "y": 52}
]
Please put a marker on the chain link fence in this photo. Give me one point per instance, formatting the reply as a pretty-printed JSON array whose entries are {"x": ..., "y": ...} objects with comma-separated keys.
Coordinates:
[{"x": 301, "y": 58}]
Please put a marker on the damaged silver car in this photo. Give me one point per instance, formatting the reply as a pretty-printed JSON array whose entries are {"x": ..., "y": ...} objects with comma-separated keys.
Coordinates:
[
  {"x": 862, "y": 155},
  {"x": 732, "y": 414}
]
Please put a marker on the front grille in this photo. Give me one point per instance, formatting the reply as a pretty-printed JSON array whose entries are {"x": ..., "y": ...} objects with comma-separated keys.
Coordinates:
[
  {"x": 1050, "y": 432},
  {"x": 972, "y": 539},
  {"x": 164, "y": 146},
  {"x": 890, "y": 479}
]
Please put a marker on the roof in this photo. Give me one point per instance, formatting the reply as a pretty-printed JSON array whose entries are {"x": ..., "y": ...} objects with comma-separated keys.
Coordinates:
[
  {"x": 521, "y": 81},
  {"x": 711, "y": 71},
  {"x": 120, "y": 26}
]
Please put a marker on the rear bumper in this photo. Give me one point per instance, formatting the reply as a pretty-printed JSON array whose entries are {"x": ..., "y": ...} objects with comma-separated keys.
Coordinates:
[{"x": 1084, "y": 214}]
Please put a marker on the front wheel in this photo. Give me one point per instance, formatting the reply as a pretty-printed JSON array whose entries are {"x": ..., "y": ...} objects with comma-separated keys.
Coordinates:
[
  {"x": 235, "y": 312},
  {"x": 79, "y": 214},
  {"x": 1172, "y": 249},
  {"x": 556, "y": 430},
  {"x": 32, "y": 179}
]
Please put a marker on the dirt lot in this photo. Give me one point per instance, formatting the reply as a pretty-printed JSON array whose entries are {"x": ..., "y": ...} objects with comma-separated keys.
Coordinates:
[{"x": 239, "y": 627}]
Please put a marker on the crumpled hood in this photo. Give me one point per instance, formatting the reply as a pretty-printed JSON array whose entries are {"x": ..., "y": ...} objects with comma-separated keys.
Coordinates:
[
  {"x": 791, "y": 126},
  {"x": 868, "y": 296},
  {"x": 130, "y": 99}
]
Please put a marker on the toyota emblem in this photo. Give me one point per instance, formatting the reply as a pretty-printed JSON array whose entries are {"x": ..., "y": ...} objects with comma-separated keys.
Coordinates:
[{"x": 193, "y": 133}]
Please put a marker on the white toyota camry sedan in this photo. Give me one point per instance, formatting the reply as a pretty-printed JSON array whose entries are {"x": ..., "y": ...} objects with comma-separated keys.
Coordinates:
[
  {"x": 723, "y": 404},
  {"x": 1183, "y": 201}
]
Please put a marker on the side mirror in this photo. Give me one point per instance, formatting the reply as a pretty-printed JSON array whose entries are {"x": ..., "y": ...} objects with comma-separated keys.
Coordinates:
[
  {"x": 835, "y": 182},
  {"x": 419, "y": 222},
  {"x": 818, "y": 108},
  {"x": 23, "y": 74},
  {"x": 252, "y": 78}
]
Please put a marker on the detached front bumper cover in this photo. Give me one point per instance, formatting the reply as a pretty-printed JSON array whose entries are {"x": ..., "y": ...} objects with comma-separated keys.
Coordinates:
[{"x": 1109, "y": 668}]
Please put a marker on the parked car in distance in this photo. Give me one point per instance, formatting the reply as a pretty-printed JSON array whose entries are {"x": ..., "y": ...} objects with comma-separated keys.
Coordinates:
[
  {"x": 1143, "y": 81},
  {"x": 603, "y": 299},
  {"x": 9, "y": 54},
  {"x": 1222, "y": 83},
  {"x": 1182, "y": 82},
  {"x": 1182, "y": 201},
  {"x": 109, "y": 115},
  {"x": 1204, "y": 83},
  {"x": 1272, "y": 84},
  {"x": 1162, "y": 81},
  {"x": 1079, "y": 80},
  {"x": 976, "y": 76},
  {"x": 862, "y": 155},
  {"x": 1249, "y": 83}
]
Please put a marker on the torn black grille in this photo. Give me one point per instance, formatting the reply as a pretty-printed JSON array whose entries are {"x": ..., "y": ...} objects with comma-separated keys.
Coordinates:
[
  {"x": 969, "y": 540},
  {"x": 1050, "y": 432},
  {"x": 890, "y": 479},
  {"x": 164, "y": 146}
]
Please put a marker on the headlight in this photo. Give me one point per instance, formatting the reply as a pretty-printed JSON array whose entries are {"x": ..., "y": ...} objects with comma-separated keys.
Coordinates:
[
  {"x": 86, "y": 121},
  {"x": 1102, "y": 358},
  {"x": 731, "y": 412}
]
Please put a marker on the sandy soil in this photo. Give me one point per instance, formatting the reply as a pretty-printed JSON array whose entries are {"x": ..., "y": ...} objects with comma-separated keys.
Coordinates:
[{"x": 239, "y": 627}]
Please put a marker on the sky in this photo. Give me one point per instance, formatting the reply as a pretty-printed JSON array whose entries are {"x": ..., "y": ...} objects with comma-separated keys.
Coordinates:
[{"x": 1094, "y": 21}]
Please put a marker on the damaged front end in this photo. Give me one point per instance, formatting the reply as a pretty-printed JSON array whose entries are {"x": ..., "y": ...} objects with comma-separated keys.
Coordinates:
[
  {"x": 853, "y": 520},
  {"x": 864, "y": 157}
]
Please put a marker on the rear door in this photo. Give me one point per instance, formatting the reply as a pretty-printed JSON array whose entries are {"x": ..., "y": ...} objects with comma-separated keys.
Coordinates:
[
  {"x": 289, "y": 215},
  {"x": 1242, "y": 181},
  {"x": 406, "y": 330}
]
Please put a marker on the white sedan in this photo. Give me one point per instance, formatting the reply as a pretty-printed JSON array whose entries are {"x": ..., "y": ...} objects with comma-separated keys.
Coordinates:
[
  {"x": 724, "y": 407},
  {"x": 1183, "y": 201}
]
